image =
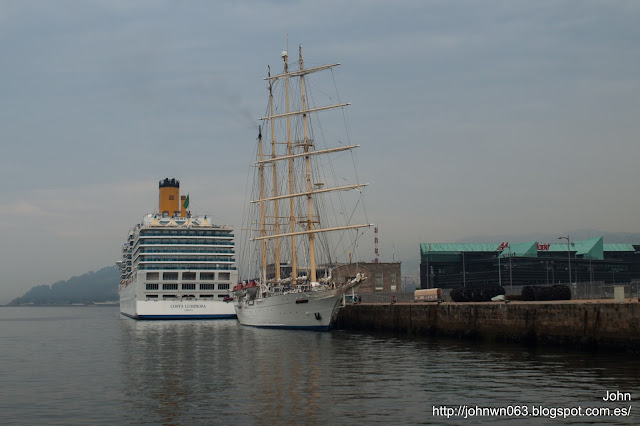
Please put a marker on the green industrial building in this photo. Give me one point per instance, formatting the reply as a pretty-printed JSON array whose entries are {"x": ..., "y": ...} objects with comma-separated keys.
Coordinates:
[{"x": 451, "y": 265}]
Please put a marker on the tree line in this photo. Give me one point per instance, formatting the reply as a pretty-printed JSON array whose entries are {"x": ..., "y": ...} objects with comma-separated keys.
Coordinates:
[{"x": 98, "y": 286}]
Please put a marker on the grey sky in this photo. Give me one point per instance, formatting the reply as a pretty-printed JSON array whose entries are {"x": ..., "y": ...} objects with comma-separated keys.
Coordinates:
[{"x": 475, "y": 118}]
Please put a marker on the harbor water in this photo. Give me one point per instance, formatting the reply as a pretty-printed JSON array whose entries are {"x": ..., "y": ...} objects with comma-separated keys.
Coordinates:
[{"x": 89, "y": 365}]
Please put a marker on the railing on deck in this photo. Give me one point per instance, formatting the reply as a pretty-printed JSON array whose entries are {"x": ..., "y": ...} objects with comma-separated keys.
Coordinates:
[{"x": 581, "y": 290}]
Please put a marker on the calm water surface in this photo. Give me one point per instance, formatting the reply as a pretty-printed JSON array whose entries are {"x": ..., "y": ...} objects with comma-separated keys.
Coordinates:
[{"x": 89, "y": 365}]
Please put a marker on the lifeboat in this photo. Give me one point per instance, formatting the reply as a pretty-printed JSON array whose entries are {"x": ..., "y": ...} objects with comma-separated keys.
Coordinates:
[
  {"x": 252, "y": 289},
  {"x": 239, "y": 290}
]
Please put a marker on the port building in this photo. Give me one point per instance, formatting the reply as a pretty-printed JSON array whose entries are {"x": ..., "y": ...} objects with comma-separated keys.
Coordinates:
[
  {"x": 451, "y": 265},
  {"x": 382, "y": 277}
]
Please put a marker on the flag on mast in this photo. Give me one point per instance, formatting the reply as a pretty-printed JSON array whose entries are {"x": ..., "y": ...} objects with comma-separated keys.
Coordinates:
[{"x": 186, "y": 202}]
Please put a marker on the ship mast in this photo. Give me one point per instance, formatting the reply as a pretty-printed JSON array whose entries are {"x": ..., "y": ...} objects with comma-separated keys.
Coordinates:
[
  {"x": 292, "y": 218},
  {"x": 263, "y": 231},
  {"x": 308, "y": 151},
  {"x": 275, "y": 188},
  {"x": 307, "y": 167}
]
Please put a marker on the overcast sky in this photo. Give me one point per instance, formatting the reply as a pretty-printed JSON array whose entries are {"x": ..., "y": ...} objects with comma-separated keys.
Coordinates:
[{"x": 475, "y": 117}]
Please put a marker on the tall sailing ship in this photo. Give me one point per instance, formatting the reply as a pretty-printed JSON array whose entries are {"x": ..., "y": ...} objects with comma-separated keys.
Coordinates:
[
  {"x": 177, "y": 266},
  {"x": 299, "y": 219}
]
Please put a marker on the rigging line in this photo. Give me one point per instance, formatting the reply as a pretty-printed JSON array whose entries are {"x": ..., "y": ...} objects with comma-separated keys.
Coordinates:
[
  {"x": 321, "y": 212},
  {"x": 356, "y": 241},
  {"x": 327, "y": 168},
  {"x": 348, "y": 135},
  {"x": 246, "y": 249},
  {"x": 322, "y": 209},
  {"x": 312, "y": 90},
  {"x": 341, "y": 199},
  {"x": 344, "y": 112},
  {"x": 348, "y": 221},
  {"x": 325, "y": 132}
]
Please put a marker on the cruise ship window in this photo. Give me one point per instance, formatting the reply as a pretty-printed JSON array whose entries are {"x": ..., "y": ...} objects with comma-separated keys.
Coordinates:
[
  {"x": 225, "y": 276},
  {"x": 188, "y": 275}
]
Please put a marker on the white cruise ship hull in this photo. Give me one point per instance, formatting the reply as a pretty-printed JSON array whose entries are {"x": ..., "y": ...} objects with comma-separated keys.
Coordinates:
[
  {"x": 308, "y": 310},
  {"x": 176, "y": 265},
  {"x": 172, "y": 309}
]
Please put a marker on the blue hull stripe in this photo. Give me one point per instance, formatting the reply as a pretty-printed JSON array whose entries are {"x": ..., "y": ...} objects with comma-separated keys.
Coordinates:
[
  {"x": 180, "y": 317},
  {"x": 288, "y": 327}
]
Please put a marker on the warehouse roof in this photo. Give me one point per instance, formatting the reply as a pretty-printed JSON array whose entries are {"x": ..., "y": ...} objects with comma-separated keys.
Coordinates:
[{"x": 593, "y": 248}]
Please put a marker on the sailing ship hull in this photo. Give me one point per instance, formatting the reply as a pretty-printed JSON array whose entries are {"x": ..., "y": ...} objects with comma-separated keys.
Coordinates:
[
  {"x": 306, "y": 311},
  {"x": 172, "y": 309}
]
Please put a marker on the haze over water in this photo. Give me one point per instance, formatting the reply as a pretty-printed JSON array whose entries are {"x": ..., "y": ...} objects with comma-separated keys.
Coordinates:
[{"x": 89, "y": 365}]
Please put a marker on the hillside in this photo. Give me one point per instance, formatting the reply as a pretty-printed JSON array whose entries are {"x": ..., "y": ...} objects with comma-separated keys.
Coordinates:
[{"x": 99, "y": 286}]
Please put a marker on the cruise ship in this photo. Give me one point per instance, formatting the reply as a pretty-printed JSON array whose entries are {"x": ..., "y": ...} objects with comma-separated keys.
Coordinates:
[{"x": 175, "y": 265}]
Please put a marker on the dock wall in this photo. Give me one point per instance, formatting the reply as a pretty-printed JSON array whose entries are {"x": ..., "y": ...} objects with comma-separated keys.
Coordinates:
[{"x": 589, "y": 325}]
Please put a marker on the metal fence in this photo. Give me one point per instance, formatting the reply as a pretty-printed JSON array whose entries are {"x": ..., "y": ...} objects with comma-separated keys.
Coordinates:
[
  {"x": 591, "y": 289},
  {"x": 600, "y": 290},
  {"x": 581, "y": 290}
]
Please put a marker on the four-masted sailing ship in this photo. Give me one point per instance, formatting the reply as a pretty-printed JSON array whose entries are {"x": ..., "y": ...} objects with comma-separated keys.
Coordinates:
[{"x": 297, "y": 244}]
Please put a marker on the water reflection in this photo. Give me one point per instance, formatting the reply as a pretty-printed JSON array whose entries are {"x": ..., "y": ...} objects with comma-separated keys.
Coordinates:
[
  {"x": 203, "y": 372},
  {"x": 169, "y": 366}
]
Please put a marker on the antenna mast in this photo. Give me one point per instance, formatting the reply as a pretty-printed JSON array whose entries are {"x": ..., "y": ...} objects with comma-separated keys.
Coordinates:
[{"x": 375, "y": 245}]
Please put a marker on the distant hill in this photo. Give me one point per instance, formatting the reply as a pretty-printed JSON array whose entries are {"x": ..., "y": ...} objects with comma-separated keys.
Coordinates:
[{"x": 99, "y": 286}]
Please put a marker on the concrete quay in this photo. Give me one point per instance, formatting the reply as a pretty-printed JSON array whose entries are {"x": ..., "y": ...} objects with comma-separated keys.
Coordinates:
[{"x": 587, "y": 324}]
